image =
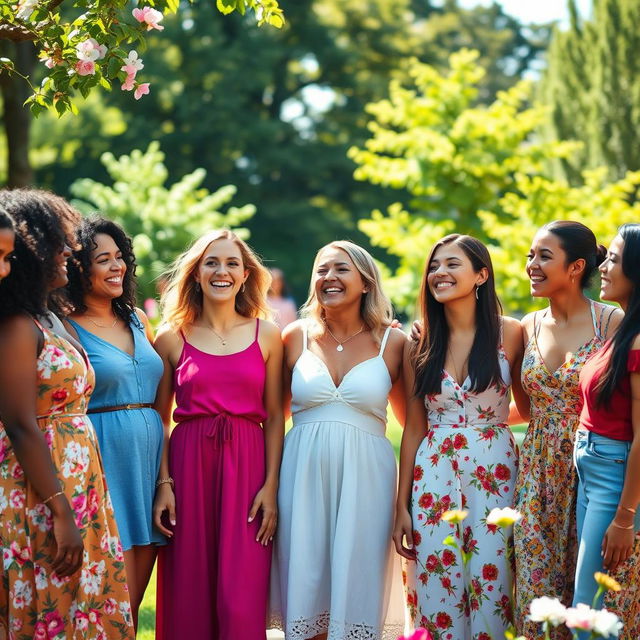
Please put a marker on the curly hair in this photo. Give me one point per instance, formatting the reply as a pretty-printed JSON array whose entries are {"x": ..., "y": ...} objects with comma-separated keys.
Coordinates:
[
  {"x": 6, "y": 221},
  {"x": 80, "y": 268},
  {"x": 44, "y": 224}
]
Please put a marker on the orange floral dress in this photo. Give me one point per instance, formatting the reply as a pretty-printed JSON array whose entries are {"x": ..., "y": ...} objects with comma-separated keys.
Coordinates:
[
  {"x": 34, "y": 603},
  {"x": 545, "y": 540}
]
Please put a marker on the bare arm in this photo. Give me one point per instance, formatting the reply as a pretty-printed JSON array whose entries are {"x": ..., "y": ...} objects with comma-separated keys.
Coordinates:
[
  {"x": 266, "y": 498},
  {"x": 19, "y": 346},
  {"x": 618, "y": 541},
  {"x": 148, "y": 329},
  {"x": 394, "y": 357},
  {"x": 415, "y": 430},
  {"x": 165, "y": 344},
  {"x": 514, "y": 347}
]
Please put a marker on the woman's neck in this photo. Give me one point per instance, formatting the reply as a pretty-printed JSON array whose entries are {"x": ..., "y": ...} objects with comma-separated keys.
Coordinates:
[
  {"x": 567, "y": 304},
  {"x": 461, "y": 316},
  {"x": 221, "y": 317},
  {"x": 343, "y": 321},
  {"x": 97, "y": 307}
]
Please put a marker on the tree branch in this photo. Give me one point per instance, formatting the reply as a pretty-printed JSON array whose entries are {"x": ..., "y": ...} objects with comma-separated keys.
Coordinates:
[{"x": 16, "y": 32}]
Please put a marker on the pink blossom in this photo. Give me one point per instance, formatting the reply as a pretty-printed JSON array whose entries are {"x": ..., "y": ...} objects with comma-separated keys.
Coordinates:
[
  {"x": 93, "y": 502},
  {"x": 132, "y": 63},
  {"x": 149, "y": 16},
  {"x": 89, "y": 50},
  {"x": 141, "y": 90},
  {"x": 129, "y": 83},
  {"x": 418, "y": 634},
  {"x": 55, "y": 624},
  {"x": 85, "y": 68},
  {"x": 81, "y": 621},
  {"x": 40, "y": 631}
]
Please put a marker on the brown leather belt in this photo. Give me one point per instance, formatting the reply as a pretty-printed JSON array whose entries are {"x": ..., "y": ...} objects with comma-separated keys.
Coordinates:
[{"x": 122, "y": 407}]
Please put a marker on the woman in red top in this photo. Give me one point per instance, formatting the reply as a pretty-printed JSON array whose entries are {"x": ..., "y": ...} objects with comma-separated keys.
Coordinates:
[{"x": 607, "y": 454}]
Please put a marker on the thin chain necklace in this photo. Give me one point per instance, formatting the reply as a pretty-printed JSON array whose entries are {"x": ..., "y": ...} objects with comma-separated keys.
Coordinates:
[
  {"x": 340, "y": 343},
  {"x": 103, "y": 326},
  {"x": 223, "y": 341},
  {"x": 455, "y": 369}
]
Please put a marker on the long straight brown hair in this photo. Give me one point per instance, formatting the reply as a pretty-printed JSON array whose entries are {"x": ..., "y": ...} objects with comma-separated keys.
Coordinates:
[{"x": 431, "y": 352}]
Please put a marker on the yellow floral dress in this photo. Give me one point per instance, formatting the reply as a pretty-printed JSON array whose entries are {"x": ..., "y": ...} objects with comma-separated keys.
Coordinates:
[
  {"x": 545, "y": 539},
  {"x": 34, "y": 602}
]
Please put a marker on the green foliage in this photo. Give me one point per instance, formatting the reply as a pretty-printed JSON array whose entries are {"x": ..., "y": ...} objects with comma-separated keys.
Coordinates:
[
  {"x": 162, "y": 220},
  {"x": 476, "y": 170},
  {"x": 106, "y": 22},
  {"x": 454, "y": 158},
  {"x": 593, "y": 85}
]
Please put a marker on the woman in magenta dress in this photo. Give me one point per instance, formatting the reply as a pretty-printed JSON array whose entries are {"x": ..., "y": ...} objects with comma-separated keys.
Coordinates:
[{"x": 218, "y": 482}]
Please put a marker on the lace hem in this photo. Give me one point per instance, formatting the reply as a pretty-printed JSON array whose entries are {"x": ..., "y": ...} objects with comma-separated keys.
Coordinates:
[{"x": 305, "y": 628}]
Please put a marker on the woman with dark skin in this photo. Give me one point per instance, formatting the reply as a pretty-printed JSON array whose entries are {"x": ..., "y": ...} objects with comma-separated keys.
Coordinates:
[
  {"x": 7, "y": 241},
  {"x": 57, "y": 517},
  {"x": 117, "y": 338}
]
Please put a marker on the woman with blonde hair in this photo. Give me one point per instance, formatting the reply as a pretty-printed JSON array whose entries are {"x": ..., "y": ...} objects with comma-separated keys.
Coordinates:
[
  {"x": 218, "y": 482},
  {"x": 338, "y": 476}
]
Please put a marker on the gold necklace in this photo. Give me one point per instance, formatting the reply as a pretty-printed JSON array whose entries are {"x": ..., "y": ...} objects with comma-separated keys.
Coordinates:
[
  {"x": 455, "y": 369},
  {"x": 217, "y": 335},
  {"x": 103, "y": 326},
  {"x": 340, "y": 343}
]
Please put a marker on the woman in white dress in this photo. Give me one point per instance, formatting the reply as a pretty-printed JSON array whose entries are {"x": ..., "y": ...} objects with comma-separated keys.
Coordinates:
[{"x": 338, "y": 474}]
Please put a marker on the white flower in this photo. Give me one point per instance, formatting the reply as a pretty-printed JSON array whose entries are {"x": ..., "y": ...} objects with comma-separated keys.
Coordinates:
[
  {"x": 22, "y": 594},
  {"x": 4, "y": 503},
  {"x": 125, "y": 611},
  {"x": 41, "y": 577},
  {"x": 25, "y": 9},
  {"x": 91, "y": 577},
  {"x": 547, "y": 610},
  {"x": 503, "y": 517},
  {"x": 40, "y": 517},
  {"x": 75, "y": 460},
  {"x": 133, "y": 61},
  {"x": 607, "y": 624},
  {"x": 89, "y": 50},
  {"x": 580, "y": 617}
]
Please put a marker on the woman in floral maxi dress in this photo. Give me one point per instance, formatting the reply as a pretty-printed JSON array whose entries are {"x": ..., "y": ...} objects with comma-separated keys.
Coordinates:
[
  {"x": 559, "y": 340},
  {"x": 466, "y": 457},
  {"x": 63, "y": 571}
]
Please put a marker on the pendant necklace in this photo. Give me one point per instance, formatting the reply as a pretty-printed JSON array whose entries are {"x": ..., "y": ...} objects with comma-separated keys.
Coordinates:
[
  {"x": 340, "y": 347},
  {"x": 217, "y": 335},
  {"x": 103, "y": 326}
]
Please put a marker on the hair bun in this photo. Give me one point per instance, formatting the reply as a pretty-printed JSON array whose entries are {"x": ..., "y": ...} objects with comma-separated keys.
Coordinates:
[{"x": 601, "y": 254}]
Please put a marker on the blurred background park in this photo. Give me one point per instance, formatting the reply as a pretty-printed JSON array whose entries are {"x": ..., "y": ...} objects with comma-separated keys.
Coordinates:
[{"x": 387, "y": 122}]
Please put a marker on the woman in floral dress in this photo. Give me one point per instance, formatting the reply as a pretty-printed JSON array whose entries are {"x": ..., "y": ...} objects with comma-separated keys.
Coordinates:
[
  {"x": 63, "y": 572},
  {"x": 460, "y": 372},
  {"x": 562, "y": 260}
]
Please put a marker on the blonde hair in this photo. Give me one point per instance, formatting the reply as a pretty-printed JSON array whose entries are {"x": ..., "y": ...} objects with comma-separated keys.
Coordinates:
[
  {"x": 375, "y": 308},
  {"x": 181, "y": 301}
]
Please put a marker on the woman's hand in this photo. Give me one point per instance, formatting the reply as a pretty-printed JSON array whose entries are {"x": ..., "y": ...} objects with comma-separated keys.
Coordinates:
[
  {"x": 69, "y": 545},
  {"x": 416, "y": 331},
  {"x": 165, "y": 501},
  {"x": 617, "y": 544},
  {"x": 266, "y": 500},
  {"x": 403, "y": 529}
]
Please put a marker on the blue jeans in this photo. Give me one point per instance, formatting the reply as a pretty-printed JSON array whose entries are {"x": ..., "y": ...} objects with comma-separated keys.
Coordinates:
[{"x": 601, "y": 464}]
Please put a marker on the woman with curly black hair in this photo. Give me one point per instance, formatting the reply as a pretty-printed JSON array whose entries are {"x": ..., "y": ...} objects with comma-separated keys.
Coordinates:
[
  {"x": 63, "y": 568},
  {"x": 117, "y": 337},
  {"x": 7, "y": 241}
]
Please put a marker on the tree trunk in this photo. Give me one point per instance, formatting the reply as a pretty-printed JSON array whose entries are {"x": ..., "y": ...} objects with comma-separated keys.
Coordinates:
[{"x": 16, "y": 117}]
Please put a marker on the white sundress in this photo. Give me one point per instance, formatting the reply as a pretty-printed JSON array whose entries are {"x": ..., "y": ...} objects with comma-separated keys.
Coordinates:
[
  {"x": 467, "y": 461},
  {"x": 332, "y": 570}
]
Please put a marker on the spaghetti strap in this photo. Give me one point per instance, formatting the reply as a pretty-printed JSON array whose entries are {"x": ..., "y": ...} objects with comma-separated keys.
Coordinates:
[
  {"x": 38, "y": 324},
  {"x": 594, "y": 320},
  {"x": 385, "y": 337},
  {"x": 605, "y": 332},
  {"x": 257, "y": 329}
]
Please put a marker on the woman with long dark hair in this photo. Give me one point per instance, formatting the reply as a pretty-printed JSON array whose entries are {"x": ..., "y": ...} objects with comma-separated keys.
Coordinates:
[
  {"x": 7, "y": 243},
  {"x": 562, "y": 261},
  {"x": 457, "y": 451},
  {"x": 116, "y": 335},
  {"x": 63, "y": 570},
  {"x": 607, "y": 450}
]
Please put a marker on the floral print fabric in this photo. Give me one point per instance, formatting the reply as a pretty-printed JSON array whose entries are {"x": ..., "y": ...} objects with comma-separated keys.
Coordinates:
[
  {"x": 467, "y": 461},
  {"x": 545, "y": 538},
  {"x": 34, "y": 603}
]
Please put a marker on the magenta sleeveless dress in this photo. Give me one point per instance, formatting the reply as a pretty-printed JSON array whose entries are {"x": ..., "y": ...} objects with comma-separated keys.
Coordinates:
[{"x": 213, "y": 576}]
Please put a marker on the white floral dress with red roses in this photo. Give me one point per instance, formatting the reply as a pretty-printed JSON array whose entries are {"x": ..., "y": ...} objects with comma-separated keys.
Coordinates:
[{"x": 468, "y": 461}]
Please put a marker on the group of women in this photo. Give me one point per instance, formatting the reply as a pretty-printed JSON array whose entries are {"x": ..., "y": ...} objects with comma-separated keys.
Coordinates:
[{"x": 248, "y": 525}]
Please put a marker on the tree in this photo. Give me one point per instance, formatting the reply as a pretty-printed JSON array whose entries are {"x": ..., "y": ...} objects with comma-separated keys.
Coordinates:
[
  {"x": 162, "y": 220},
  {"x": 455, "y": 158},
  {"x": 593, "y": 86}
]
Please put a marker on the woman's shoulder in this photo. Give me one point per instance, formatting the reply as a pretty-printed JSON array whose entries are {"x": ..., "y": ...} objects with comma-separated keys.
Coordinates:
[{"x": 608, "y": 318}]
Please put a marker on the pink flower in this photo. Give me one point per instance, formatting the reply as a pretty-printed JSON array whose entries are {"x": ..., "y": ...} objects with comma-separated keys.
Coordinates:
[
  {"x": 89, "y": 50},
  {"x": 55, "y": 624},
  {"x": 110, "y": 606},
  {"x": 93, "y": 502},
  {"x": 150, "y": 17},
  {"x": 418, "y": 634},
  {"x": 81, "y": 621},
  {"x": 141, "y": 90},
  {"x": 40, "y": 631},
  {"x": 85, "y": 68},
  {"x": 132, "y": 63},
  {"x": 129, "y": 83}
]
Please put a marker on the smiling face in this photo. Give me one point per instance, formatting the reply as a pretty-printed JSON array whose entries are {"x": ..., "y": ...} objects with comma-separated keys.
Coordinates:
[
  {"x": 615, "y": 285},
  {"x": 337, "y": 280},
  {"x": 547, "y": 266},
  {"x": 451, "y": 275},
  {"x": 7, "y": 239},
  {"x": 60, "y": 277},
  {"x": 107, "y": 268},
  {"x": 221, "y": 271}
]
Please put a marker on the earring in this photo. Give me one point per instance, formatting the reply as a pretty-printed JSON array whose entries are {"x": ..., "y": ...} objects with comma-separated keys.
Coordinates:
[
  {"x": 477, "y": 287},
  {"x": 243, "y": 287},
  {"x": 198, "y": 287}
]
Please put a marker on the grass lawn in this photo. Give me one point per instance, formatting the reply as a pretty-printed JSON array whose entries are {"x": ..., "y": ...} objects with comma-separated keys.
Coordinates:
[{"x": 146, "y": 622}]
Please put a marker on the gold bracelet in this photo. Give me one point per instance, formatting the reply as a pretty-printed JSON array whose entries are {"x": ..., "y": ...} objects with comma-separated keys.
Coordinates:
[
  {"x": 168, "y": 480},
  {"x": 629, "y": 509},
  {"x": 619, "y": 526},
  {"x": 51, "y": 497}
]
